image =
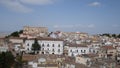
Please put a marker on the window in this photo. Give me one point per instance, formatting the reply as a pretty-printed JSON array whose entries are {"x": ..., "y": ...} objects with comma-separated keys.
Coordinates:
[
  {"x": 111, "y": 52},
  {"x": 53, "y": 45},
  {"x": 93, "y": 51},
  {"x": 77, "y": 50},
  {"x": 81, "y": 50},
  {"x": 84, "y": 51},
  {"x": 27, "y": 48},
  {"x": 48, "y": 49},
  {"x": 89, "y": 50},
  {"x": 71, "y": 50},
  {"x": 27, "y": 44},
  {"x": 58, "y": 50},
  {"x": 47, "y": 45},
  {"x": 58, "y": 45},
  {"x": 43, "y": 49},
  {"x": 53, "y": 50},
  {"x": 42, "y": 45}
]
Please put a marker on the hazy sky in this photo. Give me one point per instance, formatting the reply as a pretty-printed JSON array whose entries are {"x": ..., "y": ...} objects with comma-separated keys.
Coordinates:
[{"x": 91, "y": 16}]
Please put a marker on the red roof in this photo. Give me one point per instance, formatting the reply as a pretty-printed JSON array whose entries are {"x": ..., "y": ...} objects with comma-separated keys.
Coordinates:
[
  {"x": 47, "y": 38},
  {"x": 108, "y": 47},
  {"x": 76, "y": 45}
]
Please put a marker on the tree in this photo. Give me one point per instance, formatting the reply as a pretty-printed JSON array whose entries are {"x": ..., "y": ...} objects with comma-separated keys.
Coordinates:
[
  {"x": 21, "y": 31},
  {"x": 15, "y": 34},
  {"x": 19, "y": 62},
  {"x": 118, "y": 36},
  {"x": 35, "y": 46},
  {"x": 6, "y": 60},
  {"x": 114, "y": 35}
]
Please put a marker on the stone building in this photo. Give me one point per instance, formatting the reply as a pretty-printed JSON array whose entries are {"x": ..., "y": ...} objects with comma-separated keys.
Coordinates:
[{"x": 34, "y": 31}]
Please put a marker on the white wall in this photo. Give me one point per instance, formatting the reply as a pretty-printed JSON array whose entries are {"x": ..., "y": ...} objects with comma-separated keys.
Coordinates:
[
  {"x": 28, "y": 45},
  {"x": 16, "y": 40},
  {"x": 74, "y": 51}
]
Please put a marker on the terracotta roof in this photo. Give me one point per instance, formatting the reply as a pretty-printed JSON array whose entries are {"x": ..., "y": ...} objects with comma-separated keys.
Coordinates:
[
  {"x": 76, "y": 45},
  {"x": 2, "y": 38},
  {"x": 88, "y": 55},
  {"x": 77, "y": 65},
  {"x": 47, "y": 38},
  {"x": 69, "y": 60},
  {"x": 16, "y": 38},
  {"x": 29, "y": 57},
  {"x": 39, "y": 38},
  {"x": 47, "y": 65},
  {"x": 108, "y": 47}
]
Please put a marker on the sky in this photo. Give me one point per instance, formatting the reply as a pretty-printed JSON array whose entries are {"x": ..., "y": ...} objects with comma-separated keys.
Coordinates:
[{"x": 90, "y": 16}]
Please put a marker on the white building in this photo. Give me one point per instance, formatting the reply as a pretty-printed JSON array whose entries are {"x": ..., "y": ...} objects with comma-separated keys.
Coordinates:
[
  {"x": 3, "y": 48},
  {"x": 29, "y": 31},
  {"x": 75, "y": 49},
  {"x": 3, "y": 45},
  {"x": 94, "y": 47},
  {"x": 16, "y": 40},
  {"x": 48, "y": 45}
]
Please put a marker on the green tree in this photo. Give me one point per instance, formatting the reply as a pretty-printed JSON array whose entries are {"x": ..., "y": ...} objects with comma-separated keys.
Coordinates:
[
  {"x": 15, "y": 34},
  {"x": 19, "y": 62},
  {"x": 118, "y": 36},
  {"x": 114, "y": 35},
  {"x": 106, "y": 34},
  {"x": 6, "y": 60},
  {"x": 35, "y": 46},
  {"x": 20, "y": 32}
]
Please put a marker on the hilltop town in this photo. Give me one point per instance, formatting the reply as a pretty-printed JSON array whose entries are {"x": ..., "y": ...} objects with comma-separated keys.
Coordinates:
[{"x": 36, "y": 47}]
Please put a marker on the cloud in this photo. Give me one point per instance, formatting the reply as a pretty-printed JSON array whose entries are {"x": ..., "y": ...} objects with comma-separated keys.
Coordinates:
[
  {"x": 14, "y": 5},
  {"x": 91, "y": 26},
  {"x": 74, "y": 26},
  {"x": 38, "y": 2},
  {"x": 21, "y": 5},
  {"x": 63, "y": 26},
  {"x": 95, "y": 4}
]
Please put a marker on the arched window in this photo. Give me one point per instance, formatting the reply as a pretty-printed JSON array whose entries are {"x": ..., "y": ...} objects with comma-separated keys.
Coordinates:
[
  {"x": 81, "y": 50},
  {"x": 53, "y": 50},
  {"x": 84, "y": 51},
  {"x": 77, "y": 50},
  {"x": 27, "y": 44},
  {"x": 42, "y": 45},
  {"x": 43, "y": 49},
  {"x": 58, "y": 50},
  {"x": 47, "y": 45},
  {"x": 28, "y": 49},
  {"x": 58, "y": 45},
  {"x": 53, "y": 45}
]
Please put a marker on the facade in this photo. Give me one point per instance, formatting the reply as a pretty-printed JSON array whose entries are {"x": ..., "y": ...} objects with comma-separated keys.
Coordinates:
[
  {"x": 82, "y": 60},
  {"x": 94, "y": 47},
  {"x": 35, "y": 31},
  {"x": 3, "y": 45},
  {"x": 107, "y": 52},
  {"x": 48, "y": 45},
  {"x": 86, "y": 59},
  {"x": 3, "y": 48},
  {"x": 75, "y": 49},
  {"x": 16, "y": 40},
  {"x": 42, "y": 63},
  {"x": 69, "y": 36}
]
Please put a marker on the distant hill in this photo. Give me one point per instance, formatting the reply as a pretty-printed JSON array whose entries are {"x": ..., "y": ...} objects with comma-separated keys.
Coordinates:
[{"x": 3, "y": 34}]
